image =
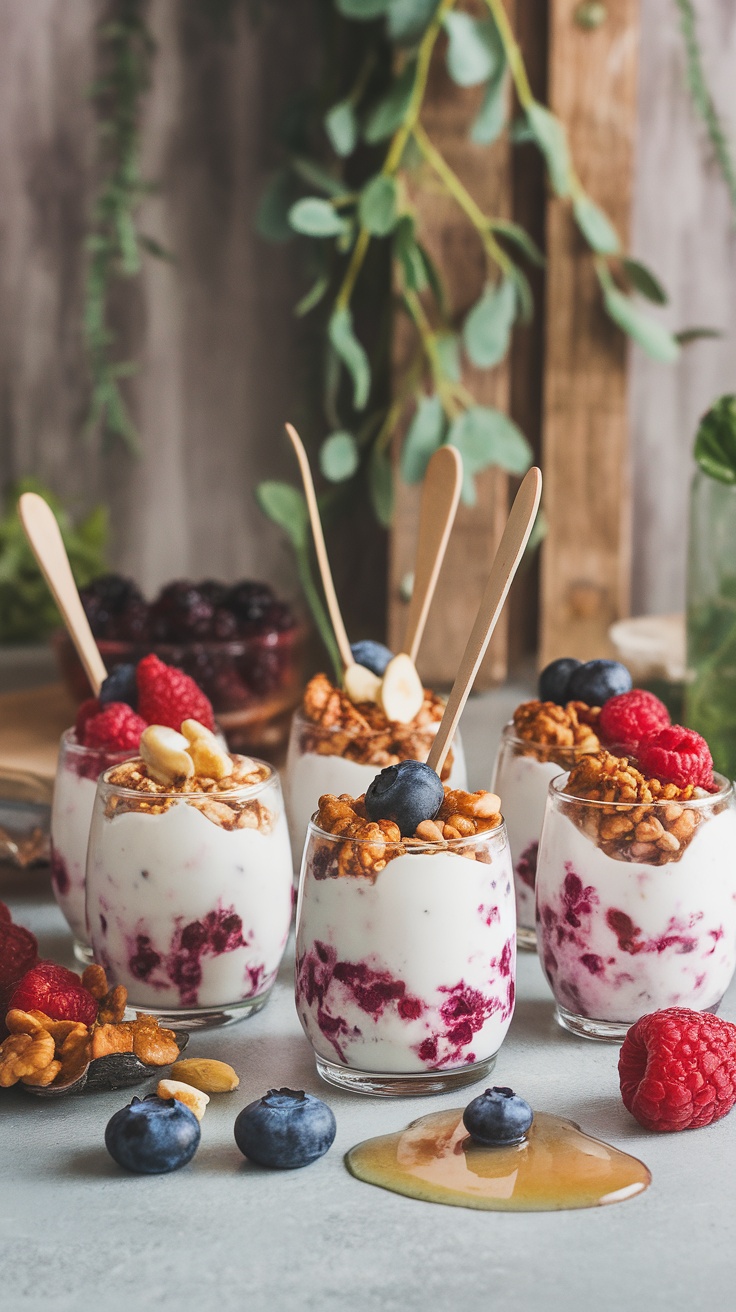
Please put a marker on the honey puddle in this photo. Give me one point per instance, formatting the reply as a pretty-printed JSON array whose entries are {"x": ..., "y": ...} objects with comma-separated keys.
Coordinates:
[{"x": 556, "y": 1168}]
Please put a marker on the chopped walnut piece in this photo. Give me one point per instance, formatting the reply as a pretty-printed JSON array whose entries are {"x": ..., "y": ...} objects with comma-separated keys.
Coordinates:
[
  {"x": 153, "y": 1045},
  {"x": 546, "y": 726},
  {"x": 221, "y": 803},
  {"x": 27, "y": 1057}
]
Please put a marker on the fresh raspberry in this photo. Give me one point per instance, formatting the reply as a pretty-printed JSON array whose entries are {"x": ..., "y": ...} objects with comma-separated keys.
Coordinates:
[
  {"x": 57, "y": 992},
  {"x": 677, "y": 1069},
  {"x": 18, "y": 952},
  {"x": 5, "y": 916},
  {"x": 168, "y": 696},
  {"x": 117, "y": 728},
  {"x": 86, "y": 711},
  {"x": 626, "y": 719},
  {"x": 676, "y": 755}
]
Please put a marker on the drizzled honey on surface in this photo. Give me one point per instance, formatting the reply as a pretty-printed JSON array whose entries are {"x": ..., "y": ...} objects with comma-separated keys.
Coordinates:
[{"x": 556, "y": 1168}]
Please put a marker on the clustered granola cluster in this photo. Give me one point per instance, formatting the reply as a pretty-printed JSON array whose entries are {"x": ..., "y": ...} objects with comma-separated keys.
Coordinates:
[
  {"x": 362, "y": 732},
  {"x": 378, "y": 841},
  {"x": 546, "y": 726},
  {"x": 40, "y": 1051},
  {"x": 219, "y": 806},
  {"x": 640, "y": 830}
]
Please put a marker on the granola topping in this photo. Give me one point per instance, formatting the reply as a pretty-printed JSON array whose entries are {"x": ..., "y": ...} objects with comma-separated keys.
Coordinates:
[
  {"x": 546, "y": 726},
  {"x": 217, "y": 799},
  {"x": 361, "y": 731},
  {"x": 369, "y": 845}
]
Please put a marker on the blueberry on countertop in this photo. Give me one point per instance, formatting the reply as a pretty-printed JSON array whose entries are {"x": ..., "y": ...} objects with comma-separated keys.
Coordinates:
[
  {"x": 153, "y": 1135},
  {"x": 554, "y": 680},
  {"x": 407, "y": 793},
  {"x": 498, "y": 1117},
  {"x": 596, "y": 681},
  {"x": 285, "y": 1129},
  {"x": 373, "y": 655},
  {"x": 120, "y": 686}
]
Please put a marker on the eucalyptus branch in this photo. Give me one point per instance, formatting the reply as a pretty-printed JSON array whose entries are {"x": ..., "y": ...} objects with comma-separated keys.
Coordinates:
[
  {"x": 702, "y": 98},
  {"x": 512, "y": 52},
  {"x": 428, "y": 340}
]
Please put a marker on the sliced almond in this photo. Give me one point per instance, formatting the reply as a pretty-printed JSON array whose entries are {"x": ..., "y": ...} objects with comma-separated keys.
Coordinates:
[
  {"x": 361, "y": 684},
  {"x": 206, "y": 1073},
  {"x": 210, "y": 758},
  {"x": 192, "y": 1098},
  {"x": 401, "y": 695},
  {"x": 165, "y": 754}
]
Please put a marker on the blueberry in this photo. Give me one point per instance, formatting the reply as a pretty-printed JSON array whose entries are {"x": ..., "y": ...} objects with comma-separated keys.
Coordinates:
[
  {"x": 498, "y": 1117},
  {"x": 406, "y": 793},
  {"x": 373, "y": 655},
  {"x": 555, "y": 679},
  {"x": 120, "y": 686},
  {"x": 596, "y": 681},
  {"x": 153, "y": 1135},
  {"x": 285, "y": 1129}
]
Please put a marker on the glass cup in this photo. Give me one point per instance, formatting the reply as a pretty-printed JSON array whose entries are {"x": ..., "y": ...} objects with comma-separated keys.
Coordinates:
[
  {"x": 189, "y": 898},
  {"x": 521, "y": 777},
  {"x": 405, "y": 979},
  {"x": 77, "y": 771},
  {"x": 636, "y": 906},
  {"x": 321, "y": 760}
]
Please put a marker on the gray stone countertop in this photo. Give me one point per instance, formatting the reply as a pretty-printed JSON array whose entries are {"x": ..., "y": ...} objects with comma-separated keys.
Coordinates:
[{"x": 77, "y": 1233}]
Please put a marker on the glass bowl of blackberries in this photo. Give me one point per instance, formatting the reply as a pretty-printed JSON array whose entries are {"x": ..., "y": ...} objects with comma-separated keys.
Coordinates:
[{"x": 240, "y": 642}]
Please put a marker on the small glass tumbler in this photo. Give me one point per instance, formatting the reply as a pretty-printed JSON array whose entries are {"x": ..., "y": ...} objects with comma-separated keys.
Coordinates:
[
  {"x": 521, "y": 777},
  {"x": 77, "y": 771},
  {"x": 405, "y": 978},
  {"x": 335, "y": 759},
  {"x": 636, "y": 906},
  {"x": 189, "y": 898}
]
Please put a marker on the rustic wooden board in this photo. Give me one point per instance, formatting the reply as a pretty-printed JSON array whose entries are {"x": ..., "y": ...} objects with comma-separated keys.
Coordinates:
[{"x": 586, "y": 560}]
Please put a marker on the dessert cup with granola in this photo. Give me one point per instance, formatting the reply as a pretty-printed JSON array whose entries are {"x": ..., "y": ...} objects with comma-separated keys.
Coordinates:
[
  {"x": 405, "y": 945},
  {"x": 636, "y": 894},
  {"x": 189, "y": 879},
  {"x": 338, "y": 745}
]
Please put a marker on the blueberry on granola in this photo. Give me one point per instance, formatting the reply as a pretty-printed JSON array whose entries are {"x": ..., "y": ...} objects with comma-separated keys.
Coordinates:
[
  {"x": 596, "y": 681},
  {"x": 407, "y": 793},
  {"x": 120, "y": 686},
  {"x": 151, "y": 1136},
  {"x": 373, "y": 655},
  {"x": 554, "y": 680},
  {"x": 498, "y": 1117},
  {"x": 286, "y": 1129}
]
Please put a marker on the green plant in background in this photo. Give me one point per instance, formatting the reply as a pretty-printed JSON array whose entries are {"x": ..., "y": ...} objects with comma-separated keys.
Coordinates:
[
  {"x": 27, "y": 611},
  {"x": 703, "y": 100}
]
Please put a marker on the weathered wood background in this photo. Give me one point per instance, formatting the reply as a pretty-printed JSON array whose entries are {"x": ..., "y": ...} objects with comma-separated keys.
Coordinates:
[{"x": 221, "y": 364}]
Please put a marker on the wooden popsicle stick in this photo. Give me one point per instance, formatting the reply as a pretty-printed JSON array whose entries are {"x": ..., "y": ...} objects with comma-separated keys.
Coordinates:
[
  {"x": 505, "y": 564},
  {"x": 44, "y": 536},
  {"x": 440, "y": 495},
  {"x": 333, "y": 607}
]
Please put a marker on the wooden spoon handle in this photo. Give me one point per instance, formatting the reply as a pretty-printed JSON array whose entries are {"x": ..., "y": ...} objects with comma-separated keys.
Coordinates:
[
  {"x": 333, "y": 607},
  {"x": 505, "y": 564},
  {"x": 440, "y": 495},
  {"x": 43, "y": 534}
]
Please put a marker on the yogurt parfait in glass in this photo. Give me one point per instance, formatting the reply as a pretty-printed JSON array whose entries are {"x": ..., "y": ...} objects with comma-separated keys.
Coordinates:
[
  {"x": 636, "y": 894},
  {"x": 189, "y": 878},
  {"x": 405, "y": 943}
]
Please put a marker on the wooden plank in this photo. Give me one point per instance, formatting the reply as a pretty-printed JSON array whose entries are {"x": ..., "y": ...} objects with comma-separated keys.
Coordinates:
[{"x": 586, "y": 559}]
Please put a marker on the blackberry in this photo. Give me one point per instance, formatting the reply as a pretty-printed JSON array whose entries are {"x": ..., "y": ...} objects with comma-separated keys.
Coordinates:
[
  {"x": 180, "y": 612},
  {"x": 224, "y": 624},
  {"x": 248, "y": 600},
  {"x": 213, "y": 591},
  {"x": 277, "y": 618}
]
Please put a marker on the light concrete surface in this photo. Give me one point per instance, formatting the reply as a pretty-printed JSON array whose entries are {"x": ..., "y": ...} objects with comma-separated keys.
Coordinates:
[{"x": 76, "y": 1233}]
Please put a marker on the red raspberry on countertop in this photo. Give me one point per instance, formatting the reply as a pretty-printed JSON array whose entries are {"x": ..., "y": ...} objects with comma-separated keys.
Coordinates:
[
  {"x": 57, "y": 992},
  {"x": 677, "y": 1069},
  {"x": 626, "y": 719},
  {"x": 169, "y": 696},
  {"x": 86, "y": 711},
  {"x": 18, "y": 952},
  {"x": 676, "y": 755},
  {"x": 117, "y": 728}
]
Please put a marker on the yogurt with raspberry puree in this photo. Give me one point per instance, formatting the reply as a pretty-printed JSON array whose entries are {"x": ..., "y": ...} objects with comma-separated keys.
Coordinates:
[
  {"x": 189, "y": 878},
  {"x": 107, "y": 731},
  {"x": 405, "y": 936},
  {"x": 341, "y": 737},
  {"x": 636, "y": 884},
  {"x": 545, "y": 738}
]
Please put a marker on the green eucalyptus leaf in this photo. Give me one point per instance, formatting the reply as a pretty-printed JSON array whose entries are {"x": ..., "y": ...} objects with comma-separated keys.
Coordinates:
[
  {"x": 390, "y": 111},
  {"x": 286, "y": 506},
  {"x": 315, "y": 217},
  {"x": 409, "y": 255},
  {"x": 487, "y": 328},
  {"x": 313, "y": 296},
  {"x": 352, "y": 354},
  {"x": 470, "y": 53},
  {"x": 468, "y": 493},
  {"x": 687, "y": 335},
  {"x": 315, "y": 176},
  {"x": 524, "y": 295},
  {"x": 377, "y": 205},
  {"x": 381, "y": 486},
  {"x": 448, "y": 350},
  {"x": 424, "y": 435},
  {"x": 520, "y": 238},
  {"x": 653, "y": 337},
  {"x": 644, "y": 281},
  {"x": 551, "y": 138},
  {"x": 595, "y": 226},
  {"x": 341, "y": 126},
  {"x": 272, "y": 216},
  {"x": 363, "y": 10},
  {"x": 339, "y": 457},
  {"x": 407, "y": 19},
  {"x": 488, "y": 437},
  {"x": 715, "y": 441},
  {"x": 492, "y": 113}
]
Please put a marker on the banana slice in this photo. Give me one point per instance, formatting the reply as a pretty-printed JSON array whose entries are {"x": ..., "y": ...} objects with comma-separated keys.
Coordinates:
[
  {"x": 401, "y": 694},
  {"x": 210, "y": 759},
  {"x": 165, "y": 754},
  {"x": 361, "y": 684}
]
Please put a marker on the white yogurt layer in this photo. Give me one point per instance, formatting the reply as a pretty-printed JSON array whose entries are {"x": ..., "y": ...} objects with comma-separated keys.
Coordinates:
[
  {"x": 522, "y": 782},
  {"x": 164, "y": 892},
  {"x": 71, "y": 813},
  {"x": 676, "y": 949},
  {"x": 412, "y": 972}
]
